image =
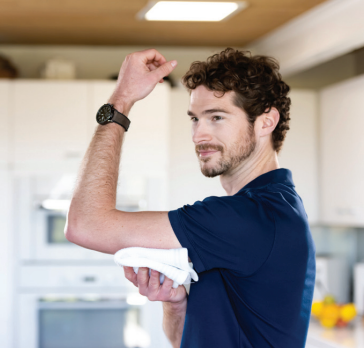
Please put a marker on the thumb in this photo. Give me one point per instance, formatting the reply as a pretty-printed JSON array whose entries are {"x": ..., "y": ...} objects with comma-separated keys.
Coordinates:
[{"x": 165, "y": 69}]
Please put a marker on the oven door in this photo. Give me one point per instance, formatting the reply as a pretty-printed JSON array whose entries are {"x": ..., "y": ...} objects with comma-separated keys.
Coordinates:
[
  {"x": 92, "y": 321},
  {"x": 90, "y": 324}
]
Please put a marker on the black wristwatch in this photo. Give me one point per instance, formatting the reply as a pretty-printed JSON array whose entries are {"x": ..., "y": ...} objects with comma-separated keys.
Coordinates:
[{"x": 107, "y": 113}]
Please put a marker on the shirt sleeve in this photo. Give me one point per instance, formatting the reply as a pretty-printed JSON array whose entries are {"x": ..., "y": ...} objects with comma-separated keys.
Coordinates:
[{"x": 231, "y": 232}]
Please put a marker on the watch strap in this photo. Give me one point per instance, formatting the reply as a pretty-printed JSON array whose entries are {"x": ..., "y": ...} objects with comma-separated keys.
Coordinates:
[{"x": 120, "y": 119}]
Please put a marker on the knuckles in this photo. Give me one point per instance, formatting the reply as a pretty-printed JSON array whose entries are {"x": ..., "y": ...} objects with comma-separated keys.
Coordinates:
[{"x": 150, "y": 286}]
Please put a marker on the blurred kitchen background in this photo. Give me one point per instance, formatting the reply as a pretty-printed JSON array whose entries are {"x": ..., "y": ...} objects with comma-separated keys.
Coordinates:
[{"x": 58, "y": 65}]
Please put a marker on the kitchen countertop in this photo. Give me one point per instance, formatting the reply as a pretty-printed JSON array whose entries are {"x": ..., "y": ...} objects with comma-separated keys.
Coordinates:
[{"x": 351, "y": 336}]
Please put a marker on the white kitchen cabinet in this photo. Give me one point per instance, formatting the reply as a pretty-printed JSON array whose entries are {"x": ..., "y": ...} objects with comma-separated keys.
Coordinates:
[
  {"x": 4, "y": 121},
  {"x": 300, "y": 149},
  {"x": 51, "y": 123},
  {"x": 342, "y": 159},
  {"x": 48, "y": 123}
]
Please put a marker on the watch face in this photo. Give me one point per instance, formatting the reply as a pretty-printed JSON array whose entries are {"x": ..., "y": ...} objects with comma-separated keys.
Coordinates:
[{"x": 104, "y": 115}]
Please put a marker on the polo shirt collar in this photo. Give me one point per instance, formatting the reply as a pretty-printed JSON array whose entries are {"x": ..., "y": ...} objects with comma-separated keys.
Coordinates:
[{"x": 276, "y": 176}]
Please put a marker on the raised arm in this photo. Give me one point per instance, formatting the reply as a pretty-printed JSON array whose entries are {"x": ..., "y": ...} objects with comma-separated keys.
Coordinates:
[
  {"x": 93, "y": 220},
  {"x": 174, "y": 300}
]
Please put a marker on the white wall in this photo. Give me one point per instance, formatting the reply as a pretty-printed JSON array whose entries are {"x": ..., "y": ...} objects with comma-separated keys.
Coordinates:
[
  {"x": 329, "y": 30},
  {"x": 338, "y": 69}
]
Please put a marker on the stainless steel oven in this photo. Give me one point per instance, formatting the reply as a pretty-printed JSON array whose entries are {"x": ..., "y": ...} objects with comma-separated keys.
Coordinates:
[
  {"x": 50, "y": 242},
  {"x": 71, "y": 297},
  {"x": 42, "y": 202},
  {"x": 84, "y": 307},
  {"x": 89, "y": 323}
]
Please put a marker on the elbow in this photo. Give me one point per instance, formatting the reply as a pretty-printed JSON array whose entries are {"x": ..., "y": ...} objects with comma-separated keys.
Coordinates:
[
  {"x": 73, "y": 230},
  {"x": 82, "y": 231},
  {"x": 68, "y": 231}
]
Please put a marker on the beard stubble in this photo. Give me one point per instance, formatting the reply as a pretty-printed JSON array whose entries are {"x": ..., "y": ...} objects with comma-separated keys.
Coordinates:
[{"x": 238, "y": 152}]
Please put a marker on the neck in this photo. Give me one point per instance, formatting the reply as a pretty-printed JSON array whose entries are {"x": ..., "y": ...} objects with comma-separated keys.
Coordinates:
[{"x": 260, "y": 162}]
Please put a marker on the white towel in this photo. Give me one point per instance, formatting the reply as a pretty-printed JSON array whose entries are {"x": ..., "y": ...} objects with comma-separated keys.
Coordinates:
[{"x": 172, "y": 263}]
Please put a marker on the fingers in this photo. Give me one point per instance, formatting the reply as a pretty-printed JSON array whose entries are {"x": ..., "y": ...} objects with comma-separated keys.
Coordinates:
[
  {"x": 156, "y": 62},
  {"x": 153, "y": 66},
  {"x": 153, "y": 55},
  {"x": 166, "y": 288},
  {"x": 150, "y": 286},
  {"x": 130, "y": 275},
  {"x": 154, "y": 282},
  {"x": 139, "y": 74},
  {"x": 143, "y": 280},
  {"x": 154, "y": 286},
  {"x": 165, "y": 69}
]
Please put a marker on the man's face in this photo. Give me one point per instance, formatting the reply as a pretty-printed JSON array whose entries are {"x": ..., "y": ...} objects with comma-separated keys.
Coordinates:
[{"x": 221, "y": 133}]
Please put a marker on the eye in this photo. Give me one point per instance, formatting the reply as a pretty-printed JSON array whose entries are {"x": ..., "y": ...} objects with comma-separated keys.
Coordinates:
[
  {"x": 193, "y": 118},
  {"x": 219, "y": 118}
]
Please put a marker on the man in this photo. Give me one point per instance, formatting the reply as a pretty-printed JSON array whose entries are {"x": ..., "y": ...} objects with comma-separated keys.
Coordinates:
[{"x": 252, "y": 249}]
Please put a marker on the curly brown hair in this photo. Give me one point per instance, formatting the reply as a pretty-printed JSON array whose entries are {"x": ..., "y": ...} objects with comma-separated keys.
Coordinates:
[{"x": 256, "y": 81}]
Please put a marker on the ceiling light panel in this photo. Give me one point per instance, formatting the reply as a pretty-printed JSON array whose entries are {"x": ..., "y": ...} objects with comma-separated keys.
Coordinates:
[{"x": 190, "y": 11}]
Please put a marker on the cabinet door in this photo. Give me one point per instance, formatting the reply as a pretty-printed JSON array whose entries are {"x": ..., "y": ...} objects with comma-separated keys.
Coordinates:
[
  {"x": 4, "y": 120},
  {"x": 299, "y": 152},
  {"x": 49, "y": 121},
  {"x": 342, "y": 162}
]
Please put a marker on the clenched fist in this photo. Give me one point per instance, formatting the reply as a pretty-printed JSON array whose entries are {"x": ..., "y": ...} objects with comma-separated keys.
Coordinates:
[
  {"x": 151, "y": 287},
  {"x": 139, "y": 74}
]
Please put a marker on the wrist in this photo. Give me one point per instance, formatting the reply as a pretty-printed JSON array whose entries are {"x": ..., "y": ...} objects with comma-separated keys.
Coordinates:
[
  {"x": 175, "y": 307},
  {"x": 123, "y": 106}
]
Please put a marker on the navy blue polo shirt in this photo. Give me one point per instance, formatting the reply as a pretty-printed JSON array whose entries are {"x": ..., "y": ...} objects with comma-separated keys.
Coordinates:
[{"x": 255, "y": 259}]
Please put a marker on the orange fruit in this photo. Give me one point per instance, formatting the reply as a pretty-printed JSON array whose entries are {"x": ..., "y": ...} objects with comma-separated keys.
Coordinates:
[{"x": 329, "y": 315}]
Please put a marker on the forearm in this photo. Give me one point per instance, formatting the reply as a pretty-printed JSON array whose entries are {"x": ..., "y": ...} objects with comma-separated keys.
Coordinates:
[
  {"x": 173, "y": 321},
  {"x": 94, "y": 196}
]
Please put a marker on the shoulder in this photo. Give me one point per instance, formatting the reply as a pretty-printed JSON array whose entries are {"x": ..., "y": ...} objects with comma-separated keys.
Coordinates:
[{"x": 227, "y": 212}]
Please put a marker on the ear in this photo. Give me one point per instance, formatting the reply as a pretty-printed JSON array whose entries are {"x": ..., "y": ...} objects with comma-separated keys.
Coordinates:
[{"x": 267, "y": 122}]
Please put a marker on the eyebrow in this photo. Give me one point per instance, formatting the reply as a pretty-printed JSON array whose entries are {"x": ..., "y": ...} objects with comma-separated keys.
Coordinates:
[{"x": 209, "y": 111}]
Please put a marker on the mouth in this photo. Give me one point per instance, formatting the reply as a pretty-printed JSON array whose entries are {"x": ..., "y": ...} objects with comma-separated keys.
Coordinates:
[{"x": 206, "y": 153}]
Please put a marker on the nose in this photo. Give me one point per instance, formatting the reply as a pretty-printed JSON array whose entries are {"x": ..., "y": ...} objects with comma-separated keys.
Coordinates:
[{"x": 201, "y": 132}]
